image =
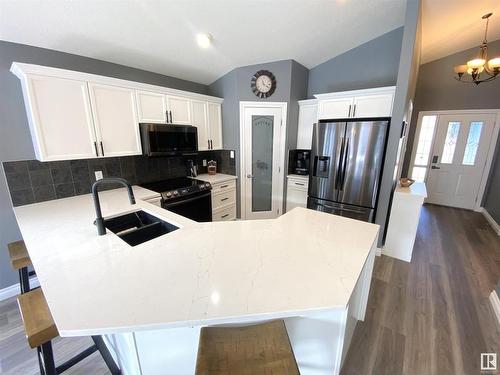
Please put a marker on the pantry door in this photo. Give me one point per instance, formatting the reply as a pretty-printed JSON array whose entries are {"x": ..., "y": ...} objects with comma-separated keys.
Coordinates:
[
  {"x": 458, "y": 158},
  {"x": 262, "y": 130}
]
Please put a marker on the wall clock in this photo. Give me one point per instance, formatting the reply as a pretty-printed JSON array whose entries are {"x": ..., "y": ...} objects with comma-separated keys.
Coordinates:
[{"x": 263, "y": 83}]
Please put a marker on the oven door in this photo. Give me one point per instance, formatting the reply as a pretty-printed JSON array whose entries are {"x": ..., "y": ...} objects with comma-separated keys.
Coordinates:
[{"x": 197, "y": 207}]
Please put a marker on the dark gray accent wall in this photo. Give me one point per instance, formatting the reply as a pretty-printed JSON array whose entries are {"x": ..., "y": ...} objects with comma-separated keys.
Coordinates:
[
  {"x": 405, "y": 88},
  {"x": 372, "y": 64},
  {"x": 291, "y": 78},
  {"x": 438, "y": 90},
  {"x": 15, "y": 139}
]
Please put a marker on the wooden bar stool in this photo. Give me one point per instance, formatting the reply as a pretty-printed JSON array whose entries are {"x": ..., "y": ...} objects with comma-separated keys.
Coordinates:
[
  {"x": 258, "y": 349},
  {"x": 40, "y": 330},
  {"x": 20, "y": 260}
]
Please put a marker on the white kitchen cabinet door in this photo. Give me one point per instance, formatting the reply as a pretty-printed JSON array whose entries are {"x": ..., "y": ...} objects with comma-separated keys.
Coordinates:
[
  {"x": 180, "y": 109},
  {"x": 296, "y": 192},
  {"x": 335, "y": 108},
  {"x": 308, "y": 116},
  {"x": 215, "y": 126},
  {"x": 115, "y": 119},
  {"x": 373, "y": 106},
  {"x": 200, "y": 121},
  {"x": 60, "y": 118},
  {"x": 151, "y": 107}
]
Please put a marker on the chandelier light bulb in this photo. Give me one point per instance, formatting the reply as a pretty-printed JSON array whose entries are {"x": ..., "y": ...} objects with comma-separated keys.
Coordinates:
[
  {"x": 494, "y": 63},
  {"x": 460, "y": 69},
  {"x": 476, "y": 63}
]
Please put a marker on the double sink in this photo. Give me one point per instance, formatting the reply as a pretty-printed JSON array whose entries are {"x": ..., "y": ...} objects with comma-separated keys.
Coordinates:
[{"x": 138, "y": 227}]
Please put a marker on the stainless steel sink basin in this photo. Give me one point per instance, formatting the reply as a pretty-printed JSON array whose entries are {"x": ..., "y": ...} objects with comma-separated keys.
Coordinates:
[{"x": 138, "y": 227}]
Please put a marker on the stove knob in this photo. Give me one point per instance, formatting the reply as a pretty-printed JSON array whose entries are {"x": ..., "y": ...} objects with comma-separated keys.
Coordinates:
[
  {"x": 207, "y": 185},
  {"x": 169, "y": 194},
  {"x": 176, "y": 193}
]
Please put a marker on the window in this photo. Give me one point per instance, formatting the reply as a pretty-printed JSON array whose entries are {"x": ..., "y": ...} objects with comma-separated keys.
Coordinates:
[
  {"x": 472, "y": 143},
  {"x": 450, "y": 142},
  {"x": 424, "y": 145}
]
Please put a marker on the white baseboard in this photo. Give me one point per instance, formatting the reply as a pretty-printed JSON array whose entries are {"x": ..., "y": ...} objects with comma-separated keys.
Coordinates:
[
  {"x": 378, "y": 251},
  {"x": 495, "y": 303},
  {"x": 14, "y": 290},
  {"x": 493, "y": 223}
]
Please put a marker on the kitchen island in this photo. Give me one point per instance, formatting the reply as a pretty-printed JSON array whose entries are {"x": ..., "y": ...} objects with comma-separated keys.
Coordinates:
[{"x": 150, "y": 301}]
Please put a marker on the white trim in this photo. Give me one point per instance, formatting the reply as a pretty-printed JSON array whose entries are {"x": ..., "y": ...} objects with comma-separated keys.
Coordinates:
[
  {"x": 311, "y": 102},
  {"x": 491, "y": 221},
  {"x": 491, "y": 146},
  {"x": 14, "y": 290},
  {"x": 378, "y": 251},
  {"x": 253, "y": 104},
  {"x": 21, "y": 70},
  {"x": 353, "y": 93},
  {"x": 495, "y": 303}
]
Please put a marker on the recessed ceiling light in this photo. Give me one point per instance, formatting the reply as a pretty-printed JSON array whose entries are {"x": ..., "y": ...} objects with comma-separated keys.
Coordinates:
[{"x": 204, "y": 40}]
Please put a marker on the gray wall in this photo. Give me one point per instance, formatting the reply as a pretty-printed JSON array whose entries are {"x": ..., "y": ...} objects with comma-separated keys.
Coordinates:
[
  {"x": 291, "y": 78},
  {"x": 15, "y": 139},
  {"x": 437, "y": 90},
  {"x": 405, "y": 87},
  {"x": 372, "y": 64}
]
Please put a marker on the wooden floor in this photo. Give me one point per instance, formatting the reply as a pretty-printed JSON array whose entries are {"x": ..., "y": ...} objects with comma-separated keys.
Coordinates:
[{"x": 430, "y": 316}]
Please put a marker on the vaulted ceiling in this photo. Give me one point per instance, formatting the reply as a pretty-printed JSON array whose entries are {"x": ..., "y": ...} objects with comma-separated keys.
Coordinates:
[
  {"x": 159, "y": 36},
  {"x": 450, "y": 26}
]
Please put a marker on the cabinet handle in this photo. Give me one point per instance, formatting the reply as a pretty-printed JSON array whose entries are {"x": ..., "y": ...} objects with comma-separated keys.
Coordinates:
[
  {"x": 224, "y": 186},
  {"x": 95, "y": 147},
  {"x": 102, "y": 149},
  {"x": 224, "y": 199},
  {"x": 208, "y": 141},
  {"x": 354, "y": 110},
  {"x": 223, "y": 216},
  {"x": 171, "y": 119},
  {"x": 166, "y": 116},
  {"x": 212, "y": 144},
  {"x": 349, "y": 115},
  {"x": 298, "y": 183}
]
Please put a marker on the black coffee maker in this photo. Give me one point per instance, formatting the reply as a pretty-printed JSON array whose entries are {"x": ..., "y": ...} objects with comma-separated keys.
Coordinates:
[{"x": 298, "y": 162}]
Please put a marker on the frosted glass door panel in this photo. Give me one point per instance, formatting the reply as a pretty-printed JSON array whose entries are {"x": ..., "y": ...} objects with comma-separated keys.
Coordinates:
[{"x": 262, "y": 162}]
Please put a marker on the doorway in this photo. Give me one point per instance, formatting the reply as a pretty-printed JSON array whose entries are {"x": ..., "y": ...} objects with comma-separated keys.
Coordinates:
[
  {"x": 452, "y": 153},
  {"x": 262, "y": 155}
]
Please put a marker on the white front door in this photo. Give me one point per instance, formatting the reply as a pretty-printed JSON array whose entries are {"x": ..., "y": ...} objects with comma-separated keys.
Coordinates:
[
  {"x": 262, "y": 159},
  {"x": 458, "y": 159}
]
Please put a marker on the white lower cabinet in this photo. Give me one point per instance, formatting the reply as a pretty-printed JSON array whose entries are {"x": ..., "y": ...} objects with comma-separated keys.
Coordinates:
[
  {"x": 223, "y": 196},
  {"x": 296, "y": 191}
]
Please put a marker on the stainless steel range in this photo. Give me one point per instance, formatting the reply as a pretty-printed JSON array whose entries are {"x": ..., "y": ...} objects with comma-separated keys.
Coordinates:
[{"x": 188, "y": 197}]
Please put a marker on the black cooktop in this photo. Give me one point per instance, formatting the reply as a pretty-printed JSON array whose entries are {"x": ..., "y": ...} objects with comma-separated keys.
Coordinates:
[{"x": 171, "y": 184}]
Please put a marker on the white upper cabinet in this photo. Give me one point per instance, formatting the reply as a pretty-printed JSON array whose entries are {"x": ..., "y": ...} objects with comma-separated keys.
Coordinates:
[
  {"x": 335, "y": 108},
  {"x": 356, "y": 104},
  {"x": 308, "y": 116},
  {"x": 115, "y": 120},
  {"x": 75, "y": 115},
  {"x": 200, "y": 121},
  {"x": 373, "y": 105},
  {"x": 60, "y": 118},
  {"x": 179, "y": 110},
  {"x": 151, "y": 107},
  {"x": 215, "y": 126}
]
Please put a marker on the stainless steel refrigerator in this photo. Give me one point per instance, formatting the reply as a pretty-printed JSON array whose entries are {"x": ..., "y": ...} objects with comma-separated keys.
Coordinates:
[{"x": 346, "y": 159}]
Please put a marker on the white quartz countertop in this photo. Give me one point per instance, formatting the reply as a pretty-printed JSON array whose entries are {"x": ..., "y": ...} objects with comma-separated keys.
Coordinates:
[
  {"x": 216, "y": 178},
  {"x": 417, "y": 189},
  {"x": 201, "y": 274}
]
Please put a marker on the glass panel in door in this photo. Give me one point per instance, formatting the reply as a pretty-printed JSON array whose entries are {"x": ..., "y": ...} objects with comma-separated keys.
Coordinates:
[
  {"x": 262, "y": 162},
  {"x": 472, "y": 143},
  {"x": 450, "y": 142}
]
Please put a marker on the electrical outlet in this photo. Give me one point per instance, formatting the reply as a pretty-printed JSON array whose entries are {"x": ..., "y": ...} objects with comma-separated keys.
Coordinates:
[
  {"x": 231, "y": 154},
  {"x": 204, "y": 162},
  {"x": 98, "y": 175}
]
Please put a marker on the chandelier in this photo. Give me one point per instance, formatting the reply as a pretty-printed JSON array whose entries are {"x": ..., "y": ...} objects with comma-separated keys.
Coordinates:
[{"x": 480, "y": 69}]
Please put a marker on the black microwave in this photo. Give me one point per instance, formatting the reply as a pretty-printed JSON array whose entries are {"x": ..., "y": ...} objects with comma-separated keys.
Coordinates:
[{"x": 168, "y": 139}]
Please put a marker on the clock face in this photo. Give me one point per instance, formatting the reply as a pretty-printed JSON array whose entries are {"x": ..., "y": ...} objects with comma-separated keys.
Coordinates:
[{"x": 263, "y": 84}]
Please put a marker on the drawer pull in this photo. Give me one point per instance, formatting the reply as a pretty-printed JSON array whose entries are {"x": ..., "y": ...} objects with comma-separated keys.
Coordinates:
[
  {"x": 224, "y": 186},
  {"x": 223, "y": 216},
  {"x": 224, "y": 199},
  {"x": 298, "y": 183}
]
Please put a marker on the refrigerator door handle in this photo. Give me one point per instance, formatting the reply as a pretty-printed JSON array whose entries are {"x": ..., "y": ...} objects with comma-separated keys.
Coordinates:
[
  {"x": 341, "y": 186},
  {"x": 339, "y": 170}
]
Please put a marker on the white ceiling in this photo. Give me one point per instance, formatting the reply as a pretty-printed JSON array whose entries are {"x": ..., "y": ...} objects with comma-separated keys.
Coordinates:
[
  {"x": 450, "y": 26},
  {"x": 159, "y": 36}
]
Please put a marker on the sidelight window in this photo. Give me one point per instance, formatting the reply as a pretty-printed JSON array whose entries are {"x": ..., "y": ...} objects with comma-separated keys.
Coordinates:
[{"x": 424, "y": 145}]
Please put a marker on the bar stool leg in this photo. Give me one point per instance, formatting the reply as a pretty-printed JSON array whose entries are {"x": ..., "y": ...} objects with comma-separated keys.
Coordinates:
[
  {"x": 46, "y": 359},
  {"x": 106, "y": 355},
  {"x": 24, "y": 280}
]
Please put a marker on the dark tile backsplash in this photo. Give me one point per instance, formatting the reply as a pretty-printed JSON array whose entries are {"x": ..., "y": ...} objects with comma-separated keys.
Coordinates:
[{"x": 31, "y": 181}]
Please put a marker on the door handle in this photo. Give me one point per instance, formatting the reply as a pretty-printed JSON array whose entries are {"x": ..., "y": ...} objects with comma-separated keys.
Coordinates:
[
  {"x": 249, "y": 176},
  {"x": 435, "y": 159},
  {"x": 346, "y": 156},
  {"x": 434, "y": 167}
]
